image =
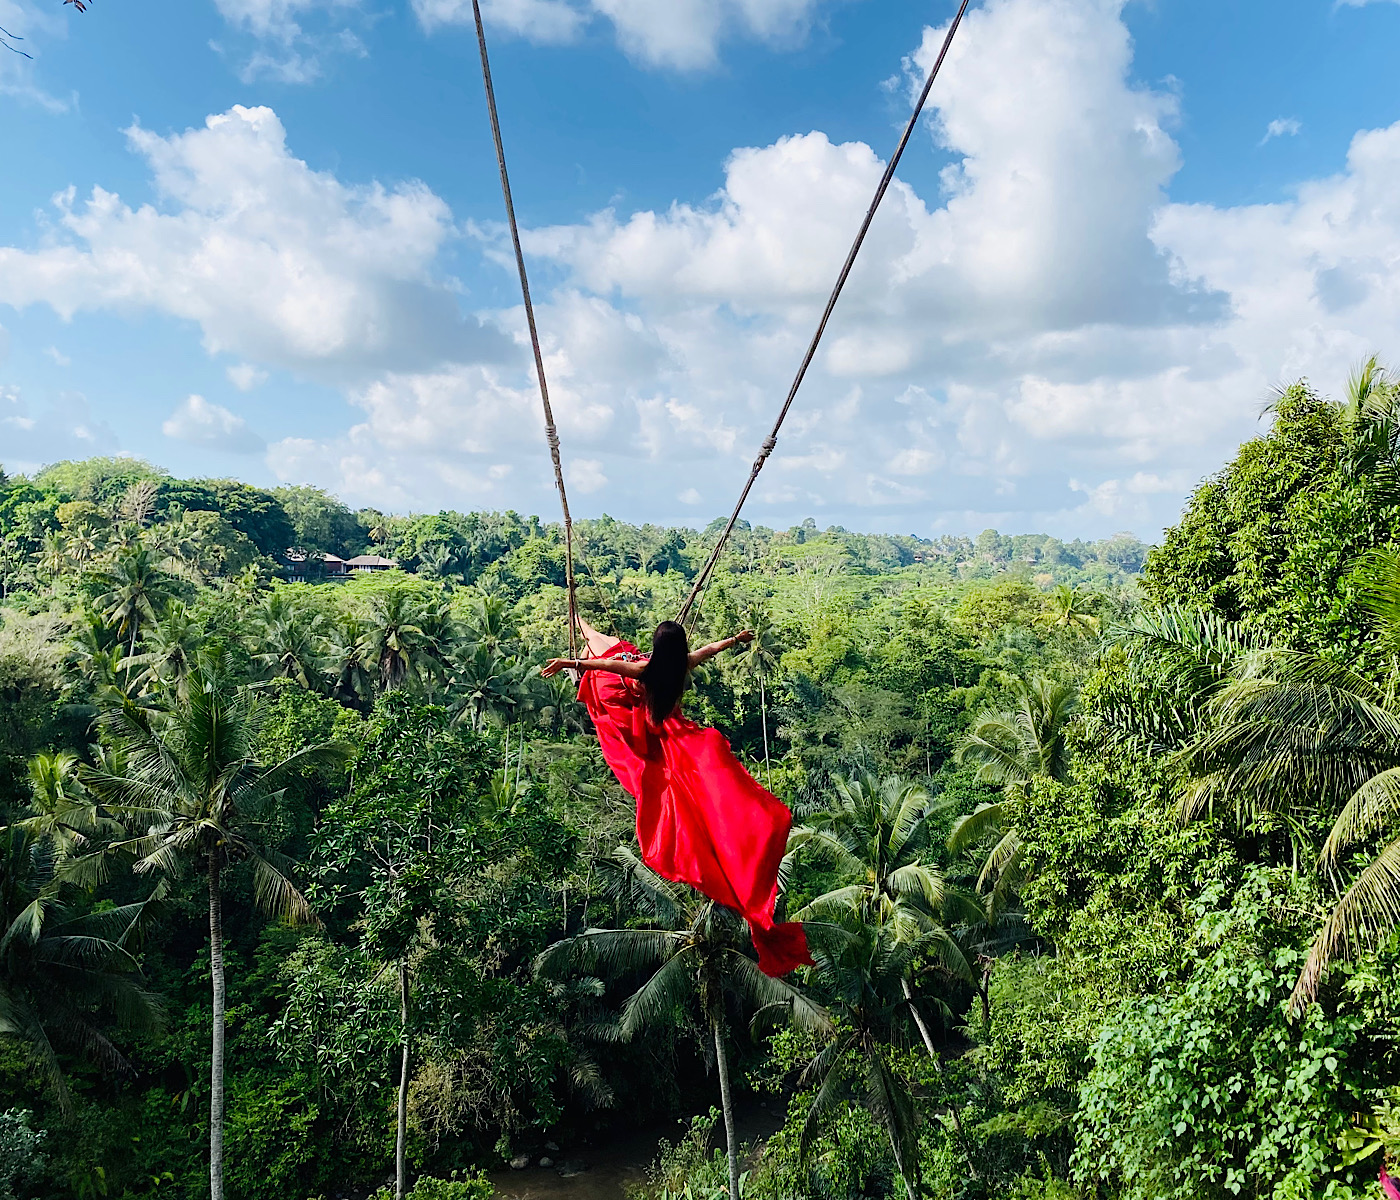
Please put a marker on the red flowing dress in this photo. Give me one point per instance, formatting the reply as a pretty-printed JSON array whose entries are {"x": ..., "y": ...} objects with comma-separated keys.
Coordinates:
[{"x": 701, "y": 818}]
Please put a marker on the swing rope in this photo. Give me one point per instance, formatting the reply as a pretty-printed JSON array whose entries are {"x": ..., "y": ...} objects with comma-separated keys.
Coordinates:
[
  {"x": 771, "y": 441},
  {"x": 550, "y": 430}
]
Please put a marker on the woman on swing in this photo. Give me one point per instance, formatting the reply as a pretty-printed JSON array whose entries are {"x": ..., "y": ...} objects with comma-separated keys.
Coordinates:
[{"x": 701, "y": 818}]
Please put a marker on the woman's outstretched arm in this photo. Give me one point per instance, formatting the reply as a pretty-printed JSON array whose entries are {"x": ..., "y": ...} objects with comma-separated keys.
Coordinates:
[
  {"x": 618, "y": 666},
  {"x": 705, "y": 653}
]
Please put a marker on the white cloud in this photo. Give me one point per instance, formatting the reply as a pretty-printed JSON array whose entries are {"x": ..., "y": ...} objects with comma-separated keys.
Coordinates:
[
  {"x": 24, "y": 29},
  {"x": 1311, "y": 281},
  {"x": 273, "y": 42},
  {"x": 275, "y": 262},
  {"x": 585, "y": 475},
  {"x": 64, "y": 427},
  {"x": 1282, "y": 127},
  {"x": 543, "y": 21},
  {"x": 675, "y": 34},
  {"x": 58, "y": 357},
  {"x": 1044, "y": 341},
  {"x": 245, "y": 376},
  {"x": 202, "y": 423}
]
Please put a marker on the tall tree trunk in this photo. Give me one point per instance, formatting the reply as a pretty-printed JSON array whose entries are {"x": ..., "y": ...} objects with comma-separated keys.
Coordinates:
[
  {"x": 763, "y": 705},
  {"x": 899, "y": 1166},
  {"x": 216, "y": 1055},
  {"x": 727, "y": 1104},
  {"x": 938, "y": 1063},
  {"x": 919, "y": 1020},
  {"x": 401, "y": 1133}
]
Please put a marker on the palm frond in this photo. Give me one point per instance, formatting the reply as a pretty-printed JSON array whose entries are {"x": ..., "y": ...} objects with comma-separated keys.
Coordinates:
[
  {"x": 277, "y": 895},
  {"x": 661, "y": 996},
  {"x": 611, "y": 953},
  {"x": 917, "y": 880},
  {"x": 834, "y": 903},
  {"x": 1371, "y": 806},
  {"x": 830, "y": 1067},
  {"x": 768, "y": 994},
  {"x": 1004, "y": 853},
  {"x": 982, "y": 821},
  {"x": 1367, "y": 912}
]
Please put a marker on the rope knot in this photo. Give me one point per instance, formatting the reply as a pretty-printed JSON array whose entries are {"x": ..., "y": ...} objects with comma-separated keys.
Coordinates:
[{"x": 770, "y": 443}]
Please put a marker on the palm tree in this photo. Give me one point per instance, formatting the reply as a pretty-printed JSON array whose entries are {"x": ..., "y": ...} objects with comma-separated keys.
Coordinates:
[
  {"x": 1371, "y": 416},
  {"x": 489, "y": 623},
  {"x": 350, "y": 659},
  {"x": 761, "y": 659},
  {"x": 133, "y": 589},
  {"x": 860, "y": 969},
  {"x": 695, "y": 960},
  {"x": 1072, "y": 609},
  {"x": 53, "y": 557},
  {"x": 192, "y": 788},
  {"x": 559, "y": 708},
  {"x": 61, "y": 969},
  {"x": 83, "y": 544},
  {"x": 486, "y": 685},
  {"x": 290, "y": 637},
  {"x": 99, "y": 659},
  {"x": 398, "y": 644},
  {"x": 1291, "y": 736},
  {"x": 65, "y": 815},
  {"x": 1010, "y": 748},
  {"x": 172, "y": 647},
  {"x": 880, "y": 831},
  {"x": 179, "y": 544}
]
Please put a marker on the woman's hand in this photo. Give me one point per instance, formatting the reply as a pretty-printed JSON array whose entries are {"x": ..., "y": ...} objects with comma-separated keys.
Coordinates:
[
  {"x": 554, "y": 666},
  {"x": 746, "y": 636}
]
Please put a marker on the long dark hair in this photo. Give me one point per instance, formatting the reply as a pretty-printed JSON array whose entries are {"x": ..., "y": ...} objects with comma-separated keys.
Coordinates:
[{"x": 664, "y": 675}]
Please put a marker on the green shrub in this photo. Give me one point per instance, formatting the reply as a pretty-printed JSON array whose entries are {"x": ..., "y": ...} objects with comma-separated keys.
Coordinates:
[
  {"x": 470, "y": 1186},
  {"x": 20, "y": 1157}
]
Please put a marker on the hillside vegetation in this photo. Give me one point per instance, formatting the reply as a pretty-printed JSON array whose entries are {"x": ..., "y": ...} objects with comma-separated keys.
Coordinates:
[{"x": 1098, "y": 847}]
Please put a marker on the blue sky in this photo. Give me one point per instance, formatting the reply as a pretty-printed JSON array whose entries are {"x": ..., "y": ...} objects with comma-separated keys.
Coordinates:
[{"x": 263, "y": 238}]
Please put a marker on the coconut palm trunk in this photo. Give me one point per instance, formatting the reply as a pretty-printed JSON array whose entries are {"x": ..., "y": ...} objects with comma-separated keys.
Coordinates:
[
  {"x": 763, "y": 707},
  {"x": 216, "y": 1057},
  {"x": 401, "y": 1132},
  {"x": 938, "y": 1064},
  {"x": 727, "y": 1104}
]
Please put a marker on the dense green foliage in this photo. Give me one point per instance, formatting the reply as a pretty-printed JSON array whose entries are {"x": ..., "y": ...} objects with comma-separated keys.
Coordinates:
[{"x": 1119, "y": 981}]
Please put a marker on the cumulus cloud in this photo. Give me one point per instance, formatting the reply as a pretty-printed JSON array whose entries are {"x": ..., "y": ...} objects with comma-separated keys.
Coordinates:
[
  {"x": 678, "y": 34},
  {"x": 202, "y": 423},
  {"x": 275, "y": 262},
  {"x": 1042, "y": 340},
  {"x": 1311, "y": 280},
  {"x": 245, "y": 376},
  {"x": 1281, "y": 127}
]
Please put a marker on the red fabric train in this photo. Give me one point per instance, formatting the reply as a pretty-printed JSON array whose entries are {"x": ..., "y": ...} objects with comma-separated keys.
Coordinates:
[{"x": 701, "y": 818}]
